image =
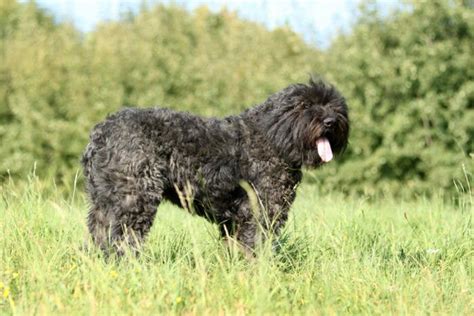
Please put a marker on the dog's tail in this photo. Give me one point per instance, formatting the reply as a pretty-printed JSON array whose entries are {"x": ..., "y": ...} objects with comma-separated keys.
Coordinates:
[
  {"x": 86, "y": 159},
  {"x": 96, "y": 141}
]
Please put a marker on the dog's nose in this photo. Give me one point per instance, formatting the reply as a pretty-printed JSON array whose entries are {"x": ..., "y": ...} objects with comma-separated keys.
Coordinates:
[{"x": 329, "y": 121}]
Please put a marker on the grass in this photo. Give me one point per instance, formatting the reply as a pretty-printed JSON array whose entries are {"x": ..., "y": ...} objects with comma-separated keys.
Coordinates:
[{"x": 337, "y": 256}]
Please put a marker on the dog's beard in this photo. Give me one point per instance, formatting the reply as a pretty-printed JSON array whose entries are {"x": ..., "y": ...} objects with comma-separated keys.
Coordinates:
[
  {"x": 322, "y": 144},
  {"x": 321, "y": 153},
  {"x": 318, "y": 149},
  {"x": 304, "y": 139}
]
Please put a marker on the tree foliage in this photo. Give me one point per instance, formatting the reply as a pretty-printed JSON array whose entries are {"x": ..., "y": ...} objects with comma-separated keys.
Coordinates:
[
  {"x": 408, "y": 79},
  {"x": 57, "y": 83}
]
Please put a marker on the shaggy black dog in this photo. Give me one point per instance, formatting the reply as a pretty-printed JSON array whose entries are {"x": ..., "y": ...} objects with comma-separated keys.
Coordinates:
[{"x": 240, "y": 172}]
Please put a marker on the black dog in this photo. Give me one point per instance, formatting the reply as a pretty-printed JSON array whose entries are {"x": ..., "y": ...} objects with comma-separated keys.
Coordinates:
[{"x": 138, "y": 157}]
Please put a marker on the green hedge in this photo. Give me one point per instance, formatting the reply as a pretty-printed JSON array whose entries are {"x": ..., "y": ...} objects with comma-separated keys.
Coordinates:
[{"x": 408, "y": 79}]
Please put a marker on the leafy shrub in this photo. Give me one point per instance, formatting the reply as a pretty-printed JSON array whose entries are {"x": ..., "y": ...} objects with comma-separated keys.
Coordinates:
[
  {"x": 408, "y": 79},
  {"x": 57, "y": 83}
]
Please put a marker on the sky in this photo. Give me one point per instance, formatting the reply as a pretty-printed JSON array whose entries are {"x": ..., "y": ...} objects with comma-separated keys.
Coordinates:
[{"x": 316, "y": 20}]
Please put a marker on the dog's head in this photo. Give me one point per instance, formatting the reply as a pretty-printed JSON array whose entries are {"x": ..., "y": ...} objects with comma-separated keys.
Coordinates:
[{"x": 308, "y": 123}]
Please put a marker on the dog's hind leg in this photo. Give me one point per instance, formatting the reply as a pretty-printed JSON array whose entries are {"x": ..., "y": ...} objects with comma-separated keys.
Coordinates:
[
  {"x": 133, "y": 223},
  {"x": 99, "y": 222},
  {"x": 123, "y": 224}
]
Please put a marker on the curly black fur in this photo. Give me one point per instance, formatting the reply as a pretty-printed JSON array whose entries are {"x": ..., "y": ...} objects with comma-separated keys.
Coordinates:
[{"x": 138, "y": 157}]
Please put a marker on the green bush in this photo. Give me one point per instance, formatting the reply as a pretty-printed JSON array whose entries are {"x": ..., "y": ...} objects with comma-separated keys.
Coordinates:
[
  {"x": 43, "y": 92},
  {"x": 408, "y": 79},
  {"x": 56, "y": 83}
]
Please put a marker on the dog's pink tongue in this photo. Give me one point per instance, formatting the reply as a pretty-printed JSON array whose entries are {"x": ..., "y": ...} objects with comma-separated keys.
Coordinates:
[{"x": 324, "y": 149}]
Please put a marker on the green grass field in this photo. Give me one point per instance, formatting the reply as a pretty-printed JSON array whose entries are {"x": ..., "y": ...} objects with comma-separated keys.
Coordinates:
[{"x": 337, "y": 256}]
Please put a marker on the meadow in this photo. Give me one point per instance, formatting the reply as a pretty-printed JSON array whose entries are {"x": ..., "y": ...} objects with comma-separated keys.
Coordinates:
[
  {"x": 337, "y": 255},
  {"x": 359, "y": 248}
]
